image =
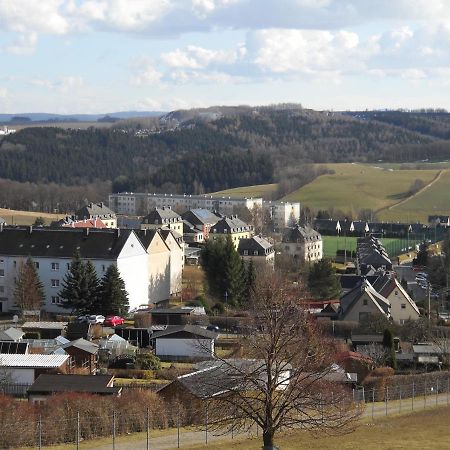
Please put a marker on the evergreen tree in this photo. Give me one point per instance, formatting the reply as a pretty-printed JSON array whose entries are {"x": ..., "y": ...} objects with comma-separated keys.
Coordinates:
[
  {"x": 250, "y": 280},
  {"x": 235, "y": 275},
  {"x": 322, "y": 280},
  {"x": 93, "y": 287},
  {"x": 113, "y": 296},
  {"x": 388, "y": 344},
  {"x": 75, "y": 288},
  {"x": 28, "y": 291}
]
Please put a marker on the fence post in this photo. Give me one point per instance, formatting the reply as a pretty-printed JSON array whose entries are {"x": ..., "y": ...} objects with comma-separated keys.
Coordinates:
[
  {"x": 353, "y": 391},
  {"x": 206, "y": 424},
  {"x": 373, "y": 401},
  {"x": 148, "y": 428},
  {"x": 400, "y": 397},
  {"x": 178, "y": 427},
  {"x": 437, "y": 391},
  {"x": 78, "y": 430},
  {"x": 364, "y": 395},
  {"x": 425, "y": 394},
  {"x": 114, "y": 430},
  {"x": 386, "y": 394},
  {"x": 448, "y": 388},
  {"x": 40, "y": 432}
]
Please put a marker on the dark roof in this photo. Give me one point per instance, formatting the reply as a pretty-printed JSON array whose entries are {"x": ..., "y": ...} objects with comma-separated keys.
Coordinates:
[
  {"x": 93, "y": 210},
  {"x": 94, "y": 384},
  {"x": 195, "y": 330},
  {"x": 157, "y": 311},
  {"x": 62, "y": 242},
  {"x": 200, "y": 217},
  {"x": 146, "y": 236},
  {"x": 301, "y": 234},
  {"x": 231, "y": 225},
  {"x": 367, "y": 338},
  {"x": 255, "y": 243},
  {"x": 348, "y": 282},
  {"x": 13, "y": 347},
  {"x": 162, "y": 216}
]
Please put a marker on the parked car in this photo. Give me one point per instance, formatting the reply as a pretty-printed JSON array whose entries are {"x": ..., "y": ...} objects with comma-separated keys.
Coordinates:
[
  {"x": 214, "y": 328},
  {"x": 113, "y": 321},
  {"x": 94, "y": 319},
  {"x": 421, "y": 275}
]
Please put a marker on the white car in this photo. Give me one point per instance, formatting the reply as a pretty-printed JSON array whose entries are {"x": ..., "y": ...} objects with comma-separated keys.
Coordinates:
[{"x": 94, "y": 319}]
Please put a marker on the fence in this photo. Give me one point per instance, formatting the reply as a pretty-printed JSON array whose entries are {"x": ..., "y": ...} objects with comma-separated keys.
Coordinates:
[{"x": 119, "y": 430}]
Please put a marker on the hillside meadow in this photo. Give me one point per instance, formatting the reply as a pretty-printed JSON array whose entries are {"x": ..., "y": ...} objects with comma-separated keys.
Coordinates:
[
  {"x": 13, "y": 217},
  {"x": 260, "y": 190}
]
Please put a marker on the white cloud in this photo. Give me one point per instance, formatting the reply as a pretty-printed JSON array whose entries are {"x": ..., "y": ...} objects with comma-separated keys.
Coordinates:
[
  {"x": 145, "y": 74},
  {"x": 3, "y": 92},
  {"x": 63, "y": 84},
  {"x": 23, "y": 45}
]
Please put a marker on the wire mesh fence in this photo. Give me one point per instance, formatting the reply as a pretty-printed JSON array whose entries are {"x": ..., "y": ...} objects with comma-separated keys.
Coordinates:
[{"x": 186, "y": 425}]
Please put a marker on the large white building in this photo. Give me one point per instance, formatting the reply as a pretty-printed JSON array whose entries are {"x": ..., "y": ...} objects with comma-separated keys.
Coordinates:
[
  {"x": 52, "y": 251},
  {"x": 303, "y": 243},
  {"x": 283, "y": 214},
  {"x": 143, "y": 203}
]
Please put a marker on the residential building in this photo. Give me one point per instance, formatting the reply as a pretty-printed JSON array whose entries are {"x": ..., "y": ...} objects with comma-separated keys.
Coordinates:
[
  {"x": 52, "y": 251},
  {"x": 163, "y": 217},
  {"x": 158, "y": 257},
  {"x": 364, "y": 302},
  {"x": 74, "y": 222},
  {"x": 370, "y": 253},
  {"x": 184, "y": 342},
  {"x": 142, "y": 203},
  {"x": 2, "y": 221},
  {"x": 257, "y": 249},
  {"x": 174, "y": 316},
  {"x": 442, "y": 221},
  {"x": 201, "y": 219},
  {"x": 283, "y": 214},
  {"x": 47, "y": 385},
  {"x": 232, "y": 226},
  {"x": 98, "y": 211},
  {"x": 192, "y": 234},
  {"x": 4, "y": 131},
  {"x": 303, "y": 243},
  {"x": 174, "y": 242}
]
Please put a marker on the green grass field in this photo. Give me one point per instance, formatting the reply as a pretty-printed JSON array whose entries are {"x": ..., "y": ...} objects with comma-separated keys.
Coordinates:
[
  {"x": 356, "y": 186},
  {"x": 260, "y": 190}
]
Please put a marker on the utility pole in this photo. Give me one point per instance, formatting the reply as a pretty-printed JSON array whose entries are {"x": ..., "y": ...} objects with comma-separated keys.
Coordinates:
[{"x": 429, "y": 302}]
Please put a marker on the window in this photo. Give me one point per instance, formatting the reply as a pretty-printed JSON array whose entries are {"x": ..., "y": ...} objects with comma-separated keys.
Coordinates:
[
  {"x": 245, "y": 252},
  {"x": 103, "y": 268},
  {"x": 56, "y": 300},
  {"x": 396, "y": 292},
  {"x": 15, "y": 264},
  {"x": 68, "y": 266},
  {"x": 55, "y": 266},
  {"x": 403, "y": 306},
  {"x": 2, "y": 289},
  {"x": 2, "y": 261},
  {"x": 36, "y": 264},
  {"x": 255, "y": 252},
  {"x": 365, "y": 301},
  {"x": 55, "y": 283},
  {"x": 2, "y": 272}
]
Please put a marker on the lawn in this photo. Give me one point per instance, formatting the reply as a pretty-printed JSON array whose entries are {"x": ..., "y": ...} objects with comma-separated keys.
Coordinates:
[
  {"x": 14, "y": 217},
  {"x": 425, "y": 430},
  {"x": 260, "y": 190},
  {"x": 353, "y": 187}
]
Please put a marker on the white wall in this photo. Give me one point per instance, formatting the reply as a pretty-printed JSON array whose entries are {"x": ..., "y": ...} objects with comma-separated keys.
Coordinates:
[
  {"x": 176, "y": 264},
  {"x": 195, "y": 348},
  {"x": 21, "y": 375},
  {"x": 158, "y": 270}
]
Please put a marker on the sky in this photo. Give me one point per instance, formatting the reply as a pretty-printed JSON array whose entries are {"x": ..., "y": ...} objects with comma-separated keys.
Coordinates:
[{"x": 99, "y": 56}]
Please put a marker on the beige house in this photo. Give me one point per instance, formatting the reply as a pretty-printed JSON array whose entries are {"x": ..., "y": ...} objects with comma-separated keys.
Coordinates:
[
  {"x": 231, "y": 226},
  {"x": 158, "y": 265},
  {"x": 164, "y": 217},
  {"x": 403, "y": 307},
  {"x": 257, "y": 249},
  {"x": 363, "y": 302},
  {"x": 174, "y": 242},
  {"x": 303, "y": 243}
]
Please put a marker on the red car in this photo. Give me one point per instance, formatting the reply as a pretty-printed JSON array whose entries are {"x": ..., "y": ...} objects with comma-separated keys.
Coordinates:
[{"x": 113, "y": 321}]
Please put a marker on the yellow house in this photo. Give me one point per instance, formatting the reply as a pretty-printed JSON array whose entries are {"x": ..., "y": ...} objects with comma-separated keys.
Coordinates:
[{"x": 231, "y": 225}]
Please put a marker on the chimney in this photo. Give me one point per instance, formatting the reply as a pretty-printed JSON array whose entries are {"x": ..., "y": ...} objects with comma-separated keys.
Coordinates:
[{"x": 101, "y": 204}]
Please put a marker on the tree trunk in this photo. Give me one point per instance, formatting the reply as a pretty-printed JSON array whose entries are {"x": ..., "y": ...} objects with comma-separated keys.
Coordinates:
[{"x": 268, "y": 440}]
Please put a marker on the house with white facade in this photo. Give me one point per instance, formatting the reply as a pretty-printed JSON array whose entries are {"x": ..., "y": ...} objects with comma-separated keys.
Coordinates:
[
  {"x": 98, "y": 211},
  {"x": 163, "y": 217},
  {"x": 174, "y": 242},
  {"x": 303, "y": 243},
  {"x": 283, "y": 214},
  {"x": 257, "y": 249},
  {"x": 158, "y": 257},
  {"x": 52, "y": 251}
]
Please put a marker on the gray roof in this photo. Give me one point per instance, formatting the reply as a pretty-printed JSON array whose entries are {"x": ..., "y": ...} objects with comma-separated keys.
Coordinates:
[
  {"x": 185, "y": 310},
  {"x": 427, "y": 348},
  {"x": 194, "y": 330},
  {"x": 82, "y": 344},
  {"x": 95, "y": 384},
  {"x": 11, "y": 334},
  {"x": 301, "y": 234},
  {"x": 33, "y": 360},
  {"x": 92, "y": 210},
  {"x": 62, "y": 242},
  {"x": 231, "y": 224},
  {"x": 162, "y": 216},
  {"x": 45, "y": 325},
  {"x": 255, "y": 243},
  {"x": 200, "y": 216}
]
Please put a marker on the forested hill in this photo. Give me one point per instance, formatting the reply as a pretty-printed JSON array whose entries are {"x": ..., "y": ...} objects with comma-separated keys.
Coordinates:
[{"x": 246, "y": 146}]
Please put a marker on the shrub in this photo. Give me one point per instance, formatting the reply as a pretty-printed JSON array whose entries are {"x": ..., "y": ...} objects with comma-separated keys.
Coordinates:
[{"x": 148, "y": 361}]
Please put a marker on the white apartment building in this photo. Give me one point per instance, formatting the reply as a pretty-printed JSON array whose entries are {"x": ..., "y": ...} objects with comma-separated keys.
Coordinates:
[
  {"x": 303, "y": 243},
  {"x": 143, "y": 203},
  {"x": 52, "y": 251},
  {"x": 283, "y": 214}
]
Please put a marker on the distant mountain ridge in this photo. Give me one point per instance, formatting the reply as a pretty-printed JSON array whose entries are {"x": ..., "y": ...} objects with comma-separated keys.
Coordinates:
[{"x": 48, "y": 117}]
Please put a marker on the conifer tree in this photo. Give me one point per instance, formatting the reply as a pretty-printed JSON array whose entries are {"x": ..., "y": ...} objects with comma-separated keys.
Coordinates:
[
  {"x": 250, "y": 280},
  {"x": 75, "y": 288},
  {"x": 322, "y": 280},
  {"x": 234, "y": 273},
  {"x": 28, "y": 291},
  {"x": 93, "y": 287},
  {"x": 113, "y": 296}
]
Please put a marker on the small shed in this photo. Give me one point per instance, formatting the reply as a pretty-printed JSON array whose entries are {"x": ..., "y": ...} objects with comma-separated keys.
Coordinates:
[
  {"x": 83, "y": 354},
  {"x": 11, "y": 334},
  {"x": 43, "y": 330}
]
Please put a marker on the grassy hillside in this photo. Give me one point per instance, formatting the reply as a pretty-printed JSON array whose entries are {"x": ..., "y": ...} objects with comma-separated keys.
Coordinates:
[
  {"x": 260, "y": 190},
  {"x": 357, "y": 186},
  {"x": 14, "y": 217}
]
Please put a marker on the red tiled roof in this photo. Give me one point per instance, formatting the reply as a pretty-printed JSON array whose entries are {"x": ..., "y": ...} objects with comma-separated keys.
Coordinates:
[{"x": 88, "y": 223}]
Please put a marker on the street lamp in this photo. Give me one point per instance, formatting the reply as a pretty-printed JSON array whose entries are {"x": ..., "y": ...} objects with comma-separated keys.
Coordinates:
[{"x": 226, "y": 311}]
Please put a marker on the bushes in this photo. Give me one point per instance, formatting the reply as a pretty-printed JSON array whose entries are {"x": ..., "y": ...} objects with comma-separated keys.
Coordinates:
[{"x": 148, "y": 361}]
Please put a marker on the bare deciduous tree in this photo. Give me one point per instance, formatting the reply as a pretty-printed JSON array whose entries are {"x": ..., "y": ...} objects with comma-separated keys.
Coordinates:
[{"x": 289, "y": 380}]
